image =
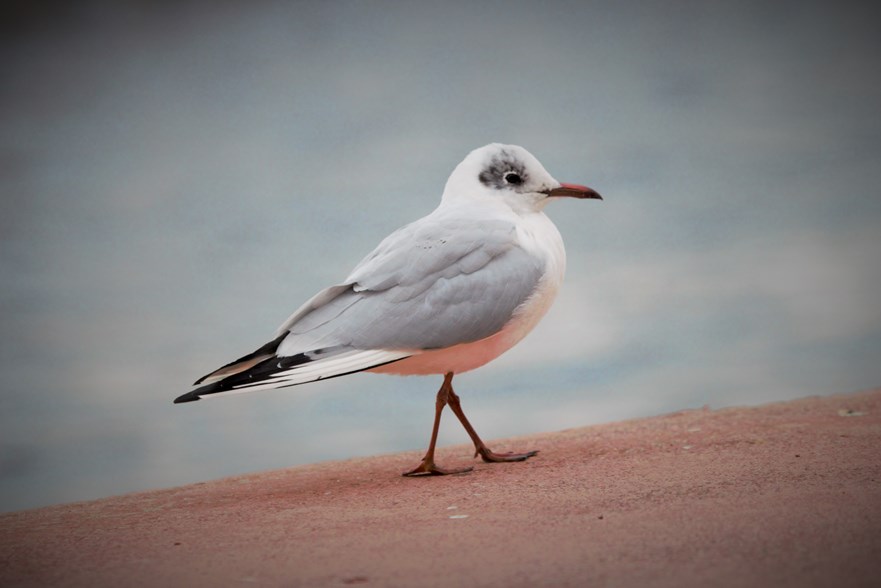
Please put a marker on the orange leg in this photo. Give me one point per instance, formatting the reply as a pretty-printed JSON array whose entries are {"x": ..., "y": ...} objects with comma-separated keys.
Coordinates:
[
  {"x": 480, "y": 447},
  {"x": 446, "y": 396},
  {"x": 427, "y": 467}
]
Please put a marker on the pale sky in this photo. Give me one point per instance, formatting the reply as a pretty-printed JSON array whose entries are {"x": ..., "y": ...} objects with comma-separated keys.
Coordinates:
[{"x": 177, "y": 179}]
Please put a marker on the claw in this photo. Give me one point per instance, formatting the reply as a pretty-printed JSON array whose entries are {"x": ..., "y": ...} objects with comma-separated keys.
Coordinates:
[
  {"x": 490, "y": 457},
  {"x": 429, "y": 469}
]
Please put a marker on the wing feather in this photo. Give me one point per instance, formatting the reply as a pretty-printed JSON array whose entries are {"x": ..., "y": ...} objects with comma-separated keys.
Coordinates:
[
  {"x": 432, "y": 284},
  {"x": 435, "y": 283}
]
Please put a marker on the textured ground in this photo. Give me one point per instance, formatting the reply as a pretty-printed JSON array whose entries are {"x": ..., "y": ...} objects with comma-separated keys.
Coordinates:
[{"x": 779, "y": 495}]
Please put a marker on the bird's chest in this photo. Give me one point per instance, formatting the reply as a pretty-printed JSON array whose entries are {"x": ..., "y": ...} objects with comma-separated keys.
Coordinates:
[{"x": 538, "y": 235}]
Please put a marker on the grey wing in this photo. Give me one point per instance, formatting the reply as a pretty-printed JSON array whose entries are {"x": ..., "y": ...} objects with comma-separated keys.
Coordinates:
[{"x": 430, "y": 285}]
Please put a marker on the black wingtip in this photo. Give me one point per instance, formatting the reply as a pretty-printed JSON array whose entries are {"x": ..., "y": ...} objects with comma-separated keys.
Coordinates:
[
  {"x": 188, "y": 397},
  {"x": 266, "y": 350}
]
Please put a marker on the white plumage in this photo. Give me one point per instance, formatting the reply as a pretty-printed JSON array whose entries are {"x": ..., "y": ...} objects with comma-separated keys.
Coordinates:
[{"x": 442, "y": 295}]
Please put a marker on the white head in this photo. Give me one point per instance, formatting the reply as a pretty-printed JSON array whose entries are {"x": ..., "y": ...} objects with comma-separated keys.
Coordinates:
[{"x": 511, "y": 174}]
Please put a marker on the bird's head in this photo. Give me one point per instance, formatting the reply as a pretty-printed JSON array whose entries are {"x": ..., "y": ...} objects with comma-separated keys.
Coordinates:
[{"x": 511, "y": 174}]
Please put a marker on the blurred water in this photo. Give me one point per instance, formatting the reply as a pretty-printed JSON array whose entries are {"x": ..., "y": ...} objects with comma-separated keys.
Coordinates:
[{"x": 176, "y": 179}]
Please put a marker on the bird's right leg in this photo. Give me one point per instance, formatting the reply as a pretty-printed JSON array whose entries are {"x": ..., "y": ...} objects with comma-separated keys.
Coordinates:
[
  {"x": 428, "y": 467},
  {"x": 480, "y": 447}
]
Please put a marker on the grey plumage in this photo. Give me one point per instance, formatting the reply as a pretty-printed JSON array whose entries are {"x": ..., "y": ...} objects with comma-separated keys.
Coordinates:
[{"x": 420, "y": 290}]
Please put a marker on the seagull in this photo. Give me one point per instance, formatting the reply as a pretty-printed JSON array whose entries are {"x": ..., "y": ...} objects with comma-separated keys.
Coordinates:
[{"x": 442, "y": 295}]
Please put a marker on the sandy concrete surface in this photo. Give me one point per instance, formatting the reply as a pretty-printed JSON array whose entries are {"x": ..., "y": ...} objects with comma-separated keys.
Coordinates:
[{"x": 779, "y": 495}]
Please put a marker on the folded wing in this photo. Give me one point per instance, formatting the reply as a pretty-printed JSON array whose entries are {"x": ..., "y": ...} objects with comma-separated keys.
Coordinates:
[{"x": 430, "y": 285}]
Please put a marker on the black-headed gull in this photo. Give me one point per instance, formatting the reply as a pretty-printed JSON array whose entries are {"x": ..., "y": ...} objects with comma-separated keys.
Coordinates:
[{"x": 442, "y": 295}]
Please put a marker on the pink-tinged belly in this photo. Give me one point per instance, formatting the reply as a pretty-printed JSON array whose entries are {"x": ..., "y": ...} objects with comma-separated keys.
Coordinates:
[
  {"x": 457, "y": 359},
  {"x": 469, "y": 356}
]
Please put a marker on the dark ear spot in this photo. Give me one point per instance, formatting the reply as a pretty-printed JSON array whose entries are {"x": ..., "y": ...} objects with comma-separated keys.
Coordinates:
[{"x": 488, "y": 179}]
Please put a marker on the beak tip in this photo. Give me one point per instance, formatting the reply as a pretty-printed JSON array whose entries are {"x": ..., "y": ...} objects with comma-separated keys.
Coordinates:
[{"x": 575, "y": 191}]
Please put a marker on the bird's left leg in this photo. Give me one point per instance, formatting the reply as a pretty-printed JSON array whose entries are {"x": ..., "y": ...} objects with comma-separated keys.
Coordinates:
[
  {"x": 479, "y": 446},
  {"x": 427, "y": 467}
]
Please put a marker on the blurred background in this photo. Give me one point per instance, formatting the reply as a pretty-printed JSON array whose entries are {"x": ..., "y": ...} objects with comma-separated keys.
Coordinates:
[{"x": 177, "y": 177}]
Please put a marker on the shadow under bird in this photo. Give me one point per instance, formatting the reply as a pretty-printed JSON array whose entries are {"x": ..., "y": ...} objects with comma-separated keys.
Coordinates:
[{"x": 442, "y": 295}]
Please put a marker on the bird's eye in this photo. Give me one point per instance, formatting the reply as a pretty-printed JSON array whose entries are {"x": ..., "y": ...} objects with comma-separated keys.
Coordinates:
[{"x": 513, "y": 178}]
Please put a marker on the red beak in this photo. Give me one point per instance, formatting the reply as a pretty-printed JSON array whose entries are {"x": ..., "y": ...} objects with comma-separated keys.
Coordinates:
[{"x": 575, "y": 191}]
